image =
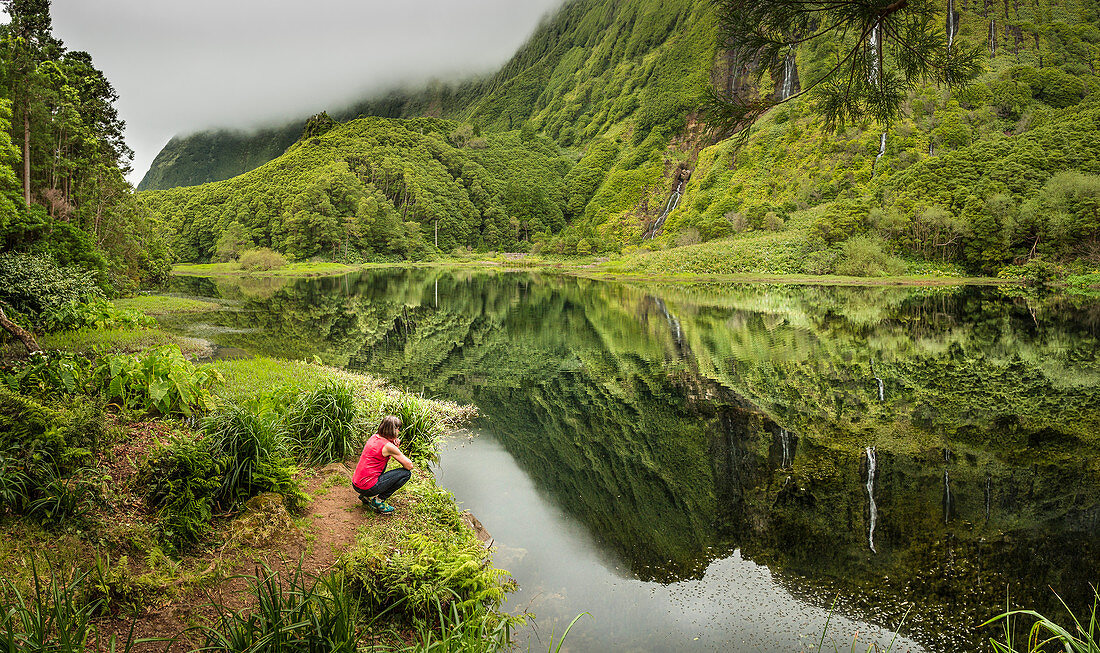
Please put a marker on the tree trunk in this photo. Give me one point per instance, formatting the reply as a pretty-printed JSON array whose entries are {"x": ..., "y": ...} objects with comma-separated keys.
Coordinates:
[
  {"x": 25, "y": 336},
  {"x": 27, "y": 156}
]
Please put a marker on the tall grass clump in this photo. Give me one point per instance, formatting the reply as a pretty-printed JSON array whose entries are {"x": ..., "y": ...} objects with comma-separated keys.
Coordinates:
[
  {"x": 289, "y": 613},
  {"x": 1047, "y": 635},
  {"x": 322, "y": 424},
  {"x": 55, "y": 617},
  {"x": 252, "y": 454},
  {"x": 421, "y": 426}
]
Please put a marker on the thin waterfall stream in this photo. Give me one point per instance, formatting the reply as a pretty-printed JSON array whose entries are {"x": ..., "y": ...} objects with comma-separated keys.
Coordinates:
[
  {"x": 673, "y": 202},
  {"x": 952, "y": 24},
  {"x": 871, "y": 498}
]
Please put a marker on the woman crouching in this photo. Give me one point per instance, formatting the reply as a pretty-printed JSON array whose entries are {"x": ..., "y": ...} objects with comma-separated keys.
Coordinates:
[{"x": 371, "y": 480}]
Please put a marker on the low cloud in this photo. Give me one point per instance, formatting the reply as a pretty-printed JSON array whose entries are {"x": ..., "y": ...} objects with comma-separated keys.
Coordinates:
[{"x": 180, "y": 67}]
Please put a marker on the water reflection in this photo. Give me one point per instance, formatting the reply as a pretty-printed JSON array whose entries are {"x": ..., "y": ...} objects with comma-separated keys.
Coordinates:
[{"x": 929, "y": 449}]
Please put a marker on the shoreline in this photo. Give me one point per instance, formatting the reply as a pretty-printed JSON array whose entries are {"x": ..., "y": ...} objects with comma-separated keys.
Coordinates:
[
  {"x": 588, "y": 271},
  {"x": 169, "y": 588}
]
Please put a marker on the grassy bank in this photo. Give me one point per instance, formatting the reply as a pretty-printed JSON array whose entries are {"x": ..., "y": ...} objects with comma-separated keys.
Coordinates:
[
  {"x": 302, "y": 269},
  {"x": 142, "y": 496}
]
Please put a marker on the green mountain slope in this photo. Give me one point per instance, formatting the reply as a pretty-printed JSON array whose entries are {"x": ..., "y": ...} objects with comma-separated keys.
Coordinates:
[
  {"x": 378, "y": 187},
  {"x": 610, "y": 82},
  {"x": 997, "y": 174}
]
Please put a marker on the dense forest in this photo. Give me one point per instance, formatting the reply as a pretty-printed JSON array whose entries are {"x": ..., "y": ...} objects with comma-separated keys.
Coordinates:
[
  {"x": 63, "y": 161},
  {"x": 998, "y": 173}
]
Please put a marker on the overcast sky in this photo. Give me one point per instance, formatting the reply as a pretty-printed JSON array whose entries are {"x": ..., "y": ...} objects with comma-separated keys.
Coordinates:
[{"x": 184, "y": 65}]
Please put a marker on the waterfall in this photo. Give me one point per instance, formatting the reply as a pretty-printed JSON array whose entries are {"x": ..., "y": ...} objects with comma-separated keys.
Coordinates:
[
  {"x": 789, "y": 70},
  {"x": 989, "y": 493},
  {"x": 952, "y": 23},
  {"x": 785, "y": 447},
  {"x": 881, "y": 151},
  {"x": 946, "y": 496},
  {"x": 993, "y": 36},
  {"x": 881, "y": 386},
  {"x": 673, "y": 202},
  {"x": 873, "y": 44},
  {"x": 870, "y": 451}
]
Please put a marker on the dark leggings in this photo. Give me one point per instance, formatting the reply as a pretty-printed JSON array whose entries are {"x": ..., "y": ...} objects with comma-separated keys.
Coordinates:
[{"x": 386, "y": 485}]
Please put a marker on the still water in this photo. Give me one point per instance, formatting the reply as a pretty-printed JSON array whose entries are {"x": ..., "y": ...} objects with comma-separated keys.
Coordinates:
[{"x": 709, "y": 467}]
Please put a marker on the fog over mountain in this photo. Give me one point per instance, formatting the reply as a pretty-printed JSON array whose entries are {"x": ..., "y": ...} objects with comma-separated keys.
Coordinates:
[{"x": 182, "y": 67}]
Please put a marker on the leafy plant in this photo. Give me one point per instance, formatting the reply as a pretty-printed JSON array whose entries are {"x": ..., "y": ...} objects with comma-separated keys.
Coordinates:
[
  {"x": 180, "y": 481},
  {"x": 160, "y": 380},
  {"x": 48, "y": 373},
  {"x": 322, "y": 424},
  {"x": 93, "y": 314},
  {"x": 35, "y": 284}
]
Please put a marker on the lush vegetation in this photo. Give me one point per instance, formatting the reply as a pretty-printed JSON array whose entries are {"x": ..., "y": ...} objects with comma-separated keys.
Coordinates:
[
  {"x": 373, "y": 189},
  {"x": 977, "y": 179},
  {"x": 63, "y": 160}
]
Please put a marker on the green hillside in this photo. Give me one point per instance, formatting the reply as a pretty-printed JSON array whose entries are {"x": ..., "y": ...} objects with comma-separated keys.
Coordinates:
[
  {"x": 610, "y": 82},
  {"x": 1001, "y": 172}
]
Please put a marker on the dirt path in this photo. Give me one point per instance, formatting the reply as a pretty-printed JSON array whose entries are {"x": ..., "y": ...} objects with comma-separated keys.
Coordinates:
[{"x": 263, "y": 534}]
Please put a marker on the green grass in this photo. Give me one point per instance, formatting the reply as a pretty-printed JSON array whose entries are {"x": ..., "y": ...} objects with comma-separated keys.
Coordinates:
[
  {"x": 760, "y": 257},
  {"x": 302, "y": 269},
  {"x": 164, "y": 305},
  {"x": 246, "y": 379},
  {"x": 126, "y": 341}
]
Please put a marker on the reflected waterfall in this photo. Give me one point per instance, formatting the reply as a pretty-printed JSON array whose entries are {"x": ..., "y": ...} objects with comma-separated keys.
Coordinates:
[{"x": 870, "y": 451}]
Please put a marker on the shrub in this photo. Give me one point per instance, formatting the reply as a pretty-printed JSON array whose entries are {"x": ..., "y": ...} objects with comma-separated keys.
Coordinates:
[
  {"x": 251, "y": 452},
  {"x": 34, "y": 284},
  {"x": 160, "y": 380},
  {"x": 96, "y": 313},
  {"x": 866, "y": 256},
  {"x": 261, "y": 259},
  {"x": 179, "y": 481},
  {"x": 822, "y": 261},
  {"x": 322, "y": 424},
  {"x": 1039, "y": 273},
  {"x": 48, "y": 374}
]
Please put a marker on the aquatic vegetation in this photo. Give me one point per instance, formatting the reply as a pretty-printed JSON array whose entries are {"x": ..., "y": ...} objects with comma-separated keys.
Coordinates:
[{"x": 1046, "y": 634}]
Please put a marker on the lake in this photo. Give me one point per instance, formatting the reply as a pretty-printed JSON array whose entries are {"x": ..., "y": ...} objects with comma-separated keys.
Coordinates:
[{"x": 722, "y": 467}]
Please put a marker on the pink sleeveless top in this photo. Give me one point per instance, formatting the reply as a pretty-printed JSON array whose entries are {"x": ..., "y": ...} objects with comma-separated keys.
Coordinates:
[{"x": 371, "y": 464}]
